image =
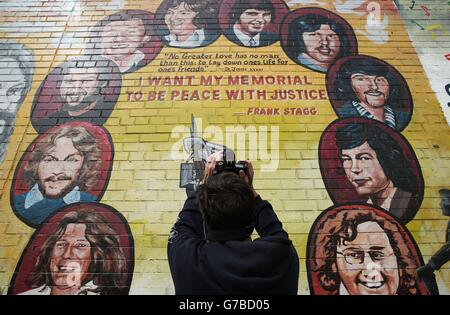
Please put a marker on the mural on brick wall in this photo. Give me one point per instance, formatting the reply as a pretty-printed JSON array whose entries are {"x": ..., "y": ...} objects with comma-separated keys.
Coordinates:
[
  {"x": 16, "y": 75},
  {"x": 82, "y": 249},
  {"x": 320, "y": 95}
]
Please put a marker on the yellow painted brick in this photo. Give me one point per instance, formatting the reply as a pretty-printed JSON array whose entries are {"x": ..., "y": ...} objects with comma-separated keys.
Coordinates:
[
  {"x": 296, "y": 183},
  {"x": 141, "y": 129},
  {"x": 154, "y": 137},
  {"x": 17, "y": 228},
  {"x": 129, "y": 205},
  {"x": 120, "y": 184},
  {"x": 300, "y": 205},
  {"x": 144, "y": 217}
]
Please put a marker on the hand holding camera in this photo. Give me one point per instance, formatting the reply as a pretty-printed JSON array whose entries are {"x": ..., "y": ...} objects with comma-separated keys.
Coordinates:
[{"x": 216, "y": 165}]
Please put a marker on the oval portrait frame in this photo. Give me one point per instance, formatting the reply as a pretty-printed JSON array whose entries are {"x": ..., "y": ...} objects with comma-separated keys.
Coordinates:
[
  {"x": 403, "y": 96},
  {"x": 316, "y": 259},
  {"x": 29, "y": 255},
  {"x": 150, "y": 48},
  {"x": 274, "y": 27},
  {"x": 288, "y": 42},
  {"x": 48, "y": 103}
]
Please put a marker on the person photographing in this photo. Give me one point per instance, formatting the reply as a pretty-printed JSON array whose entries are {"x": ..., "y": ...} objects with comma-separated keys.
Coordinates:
[{"x": 210, "y": 250}]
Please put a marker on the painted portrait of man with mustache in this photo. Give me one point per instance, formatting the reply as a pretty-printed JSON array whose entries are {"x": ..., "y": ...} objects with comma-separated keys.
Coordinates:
[
  {"x": 187, "y": 23},
  {"x": 250, "y": 21},
  {"x": 80, "y": 90},
  {"x": 85, "y": 88},
  {"x": 62, "y": 169},
  {"x": 376, "y": 168},
  {"x": 370, "y": 88}
]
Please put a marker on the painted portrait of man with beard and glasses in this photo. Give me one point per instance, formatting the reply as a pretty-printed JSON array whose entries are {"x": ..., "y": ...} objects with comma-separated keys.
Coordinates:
[
  {"x": 82, "y": 89},
  {"x": 363, "y": 86},
  {"x": 63, "y": 166}
]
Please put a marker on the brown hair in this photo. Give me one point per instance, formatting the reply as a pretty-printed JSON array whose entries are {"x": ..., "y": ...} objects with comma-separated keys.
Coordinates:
[
  {"x": 83, "y": 141},
  {"x": 342, "y": 227},
  {"x": 107, "y": 268}
]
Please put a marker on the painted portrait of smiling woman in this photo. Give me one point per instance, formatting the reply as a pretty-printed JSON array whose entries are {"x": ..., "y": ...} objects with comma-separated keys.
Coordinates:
[
  {"x": 363, "y": 160},
  {"x": 68, "y": 164},
  {"x": 359, "y": 249},
  {"x": 85, "y": 249}
]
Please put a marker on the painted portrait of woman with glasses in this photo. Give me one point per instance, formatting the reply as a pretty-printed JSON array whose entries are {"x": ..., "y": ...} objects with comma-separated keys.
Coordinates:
[{"x": 362, "y": 250}]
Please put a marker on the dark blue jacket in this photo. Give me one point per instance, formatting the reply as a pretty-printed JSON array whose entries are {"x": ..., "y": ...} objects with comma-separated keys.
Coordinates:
[{"x": 267, "y": 265}]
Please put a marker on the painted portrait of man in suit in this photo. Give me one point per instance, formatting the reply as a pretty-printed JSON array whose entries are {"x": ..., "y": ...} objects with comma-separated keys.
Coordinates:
[
  {"x": 84, "y": 249},
  {"x": 65, "y": 166},
  {"x": 250, "y": 20},
  {"x": 315, "y": 38}
]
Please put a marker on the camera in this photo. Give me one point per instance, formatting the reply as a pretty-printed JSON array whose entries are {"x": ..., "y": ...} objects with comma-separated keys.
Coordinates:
[{"x": 231, "y": 166}]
